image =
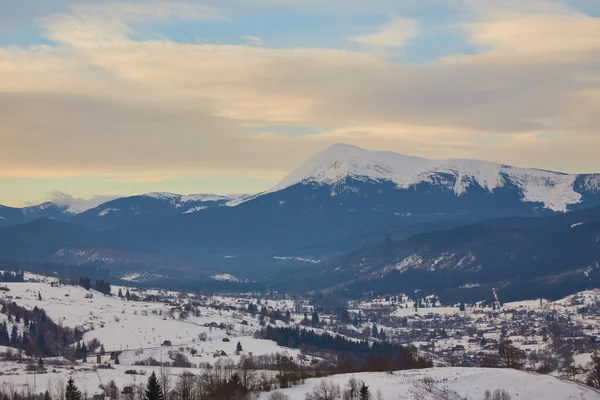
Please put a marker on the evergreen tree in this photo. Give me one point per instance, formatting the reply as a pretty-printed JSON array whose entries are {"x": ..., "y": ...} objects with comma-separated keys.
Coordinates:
[
  {"x": 26, "y": 320},
  {"x": 18, "y": 317},
  {"x": 153, "y": 389},
  {"x": 364, "y": 393},
  {"x": 239, "y": 347},
  {"x": 315, "y": 319},
  {"x": 4, "y": 337},
  {"x": 84, "y": 350},
  {"x": 72, "y": 393},
  {"x": 40, "y": 299},
  {"x": 128, "y": 295},
  {"x": 47, "y": 396},
  {"x": 14, "y": 336},
  {"x": 462, "y": 306},
  {"x": 120, "y": 293},
  {"x": 375, "y": 331}
]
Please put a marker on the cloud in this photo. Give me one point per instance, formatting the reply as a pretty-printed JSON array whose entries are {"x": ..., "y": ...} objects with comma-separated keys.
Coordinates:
[
  {"x": 253, "y": 40},
  {"x": 98, "y": 102},
  {"x": 394, "y": 34},
  {"x": 77, "y": 204}
]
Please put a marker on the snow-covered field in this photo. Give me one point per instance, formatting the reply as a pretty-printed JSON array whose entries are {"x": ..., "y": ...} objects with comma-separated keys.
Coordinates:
[
  {"x": 455, "y": 384},
  {"x": 138, "y": 329}
]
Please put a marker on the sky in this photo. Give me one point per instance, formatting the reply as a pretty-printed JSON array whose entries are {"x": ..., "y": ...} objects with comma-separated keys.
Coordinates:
[{"x": 106, "y": 98}]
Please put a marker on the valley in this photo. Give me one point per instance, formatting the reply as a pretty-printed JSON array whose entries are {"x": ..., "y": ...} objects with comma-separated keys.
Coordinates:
[{"x": 139, "y": 330}]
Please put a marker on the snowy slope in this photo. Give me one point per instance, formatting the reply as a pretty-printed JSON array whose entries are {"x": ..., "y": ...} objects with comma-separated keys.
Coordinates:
[
  {"x": 457, "y": 383},
  {"x": 555, "y": 190}
]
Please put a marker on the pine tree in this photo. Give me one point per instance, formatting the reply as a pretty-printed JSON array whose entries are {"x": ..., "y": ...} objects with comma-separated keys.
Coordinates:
[
  {"x": 14, "y": 336},
  {"x": 40, "y": 299},
  {"x": 120, "y": 293},
  {"x": 364, "y": 393},
  {"x": 315, "y": 319},
  {"x": 72, "y": 393},
  {"x": 47, "y": 396},
  {"x": 26, "y": 320},
  {"x": 128, "y": 295},
  {"x": 239, "y": 347},
  {"x": 153, "y": 389}
]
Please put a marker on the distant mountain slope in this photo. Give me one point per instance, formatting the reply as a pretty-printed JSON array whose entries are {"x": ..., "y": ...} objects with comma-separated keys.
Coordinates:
[
  {"x": 523, "y": 257},
  {"x": 15, "y": 216},
  {"x": 342, "y": 163},
  {"x": 152, "y": 205},
  {"x": 117, "y": 211},
  {"x": 340, "y": 199}
]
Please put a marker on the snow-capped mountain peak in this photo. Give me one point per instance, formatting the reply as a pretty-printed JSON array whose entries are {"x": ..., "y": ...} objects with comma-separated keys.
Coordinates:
[{"x": 555, "y": 190}]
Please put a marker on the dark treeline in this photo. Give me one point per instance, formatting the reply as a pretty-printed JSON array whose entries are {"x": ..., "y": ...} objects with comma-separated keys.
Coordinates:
[
  {"x": 100, "y": 285},
  {"x": 39, "y": 336},
  {"x": 351, "y": 355},
  {"x": 17, "y": 276},
  {"x": 62, "y": 270}
]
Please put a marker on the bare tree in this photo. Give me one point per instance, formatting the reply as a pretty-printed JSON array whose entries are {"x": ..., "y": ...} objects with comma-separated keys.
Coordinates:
[
  {"x": 279, "y": 396},
  {"x": 326, "y": 390},
  {"x": 593, "y": 377},
  {"x": 59, "y": 389},
  {"x": 185, "y": 385},
  {"x": 351, "y": 392},
  {"x": 165, "y": 381},
  {"x": 499, "y": 394}
]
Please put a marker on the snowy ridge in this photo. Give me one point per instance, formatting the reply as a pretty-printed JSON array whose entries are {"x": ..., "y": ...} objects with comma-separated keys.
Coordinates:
[
  {"x": 186, "y": 198},
  {"x": 555, "y": 190}
]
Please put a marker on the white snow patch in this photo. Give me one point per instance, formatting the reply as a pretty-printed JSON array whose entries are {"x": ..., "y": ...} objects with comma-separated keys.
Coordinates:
[
  {"x": 106, "y": 211},
  {"x": 301, "y": 259},
  {"x": 194, "y": 209},
  {"x": 226, "y": 278},
  {"x": 133, "y": 277}
]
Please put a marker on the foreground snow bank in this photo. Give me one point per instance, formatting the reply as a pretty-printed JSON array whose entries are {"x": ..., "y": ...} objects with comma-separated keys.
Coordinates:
[{"x": 457, "y": 383}]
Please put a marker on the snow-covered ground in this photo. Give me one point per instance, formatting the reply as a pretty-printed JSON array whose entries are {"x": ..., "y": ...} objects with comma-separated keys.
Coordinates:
[
  {"x": 455, "y": 384},
  {"x": 139, "y": 328},
  {"x": 121, "y": 325}
]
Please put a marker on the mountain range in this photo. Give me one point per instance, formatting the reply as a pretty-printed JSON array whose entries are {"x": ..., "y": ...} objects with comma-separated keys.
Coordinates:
[{"x": 338, "y": 201}]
